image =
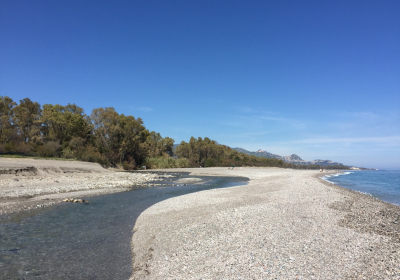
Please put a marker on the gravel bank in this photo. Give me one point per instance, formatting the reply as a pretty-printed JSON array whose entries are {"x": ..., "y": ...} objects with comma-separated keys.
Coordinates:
[
  {"x": 285, "y": 224},
  {"x": 27, "y": 184}
]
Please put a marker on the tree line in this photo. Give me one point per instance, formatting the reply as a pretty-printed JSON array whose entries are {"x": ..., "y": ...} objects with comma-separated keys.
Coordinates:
[
  {"x": 207, "y": 153},
  {"x": 109, "y": 138},
  {"x": 50, "y": 130}
]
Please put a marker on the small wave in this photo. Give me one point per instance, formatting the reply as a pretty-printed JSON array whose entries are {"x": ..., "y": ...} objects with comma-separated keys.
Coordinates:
[
  {"x": 344, "y": 173},
  {"x": 369, "y": 194},
  {"x": 326, "y": 177}
]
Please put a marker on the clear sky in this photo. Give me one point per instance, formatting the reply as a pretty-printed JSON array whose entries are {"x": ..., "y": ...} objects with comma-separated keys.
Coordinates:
[{"x": 320, "y": 79}]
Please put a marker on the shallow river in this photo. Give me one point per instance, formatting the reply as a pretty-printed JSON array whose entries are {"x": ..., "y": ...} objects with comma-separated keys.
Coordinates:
[{"x": 86, "y": 241}]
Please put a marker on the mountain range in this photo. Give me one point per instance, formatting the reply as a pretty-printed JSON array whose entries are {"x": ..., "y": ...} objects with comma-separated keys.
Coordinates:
[{"x": 291, "y": 159}]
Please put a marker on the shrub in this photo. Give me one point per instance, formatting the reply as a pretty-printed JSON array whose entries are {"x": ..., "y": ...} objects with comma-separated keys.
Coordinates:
[
  {"x": 165, "y": 162},
  {"x": 77, "y": 142},
  {"x": 128, "y": 165},
  {"x": 49, "y": 149},
  {"x": 9, "y": 147},
  {"x": 68, "y": 153},
  {"x": 91, "y": 154},
  {"x": 23, "y": 148}
]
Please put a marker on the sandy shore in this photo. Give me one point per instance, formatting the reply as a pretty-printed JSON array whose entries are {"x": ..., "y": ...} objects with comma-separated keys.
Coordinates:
[
  {"x": 285, "y": 224},
  {"x": 29, "y": 184}
]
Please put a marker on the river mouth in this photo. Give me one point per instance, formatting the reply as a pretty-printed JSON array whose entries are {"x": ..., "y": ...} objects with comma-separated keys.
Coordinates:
[{"x": 89, "y": 241}]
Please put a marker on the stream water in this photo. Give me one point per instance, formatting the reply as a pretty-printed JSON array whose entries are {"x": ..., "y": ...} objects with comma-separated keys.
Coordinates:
[{"x": 86, "y": 241}]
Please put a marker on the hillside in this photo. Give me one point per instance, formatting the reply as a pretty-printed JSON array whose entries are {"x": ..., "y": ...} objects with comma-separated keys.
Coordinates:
[{"x": 290, "y": 159}]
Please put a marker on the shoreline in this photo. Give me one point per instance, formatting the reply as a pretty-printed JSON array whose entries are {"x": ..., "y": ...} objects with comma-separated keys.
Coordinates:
[
  {"x": 282, "y": 225},
  {"x": 375, "y": 193},
  {"x": 378, "y": 213}
]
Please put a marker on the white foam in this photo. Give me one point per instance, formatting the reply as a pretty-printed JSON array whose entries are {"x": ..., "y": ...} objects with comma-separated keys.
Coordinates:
[
  {"x": 366, "y": 193},
  {"x": 344, "y": 173},
  {"x": 325, "y": 178}
]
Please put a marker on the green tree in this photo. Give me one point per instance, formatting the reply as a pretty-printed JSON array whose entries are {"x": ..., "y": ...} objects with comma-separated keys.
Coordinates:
[
  {"x": 27, "y": 120},
  {"x": 64, "y": 123},
  {"x": 134, "y": 135},
  {"x": 158, "y": 146},
  {"x": 8, "y": 133},
  {"x": 108, "y": 134}
]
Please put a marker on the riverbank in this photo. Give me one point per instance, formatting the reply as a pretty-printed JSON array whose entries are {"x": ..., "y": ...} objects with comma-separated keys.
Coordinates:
[
  {"x": 285, "y": 224},
  {"x": 29, "y": 184}
]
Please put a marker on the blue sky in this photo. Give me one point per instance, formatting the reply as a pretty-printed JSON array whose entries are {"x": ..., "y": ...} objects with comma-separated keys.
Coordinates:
[{"x": 320, "y": 79}]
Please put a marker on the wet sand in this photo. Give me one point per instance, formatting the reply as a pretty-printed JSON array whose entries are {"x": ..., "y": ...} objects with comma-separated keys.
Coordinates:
[{"x": 285, "y": 224}]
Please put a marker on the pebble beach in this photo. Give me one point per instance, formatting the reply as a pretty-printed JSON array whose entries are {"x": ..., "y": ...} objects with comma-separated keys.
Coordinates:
[{"x": 284, "y": 224}]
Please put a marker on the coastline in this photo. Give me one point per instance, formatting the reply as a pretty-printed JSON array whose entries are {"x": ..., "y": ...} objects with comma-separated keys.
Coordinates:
[
  {"x": 282, "y": 225},
  {"x": 383, "y": 184},
  {"x": 28, "y": 185},
  {"x": 379, "y": 217}
]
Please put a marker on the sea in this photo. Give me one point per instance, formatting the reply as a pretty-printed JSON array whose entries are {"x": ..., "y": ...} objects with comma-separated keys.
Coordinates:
[{"x": 381, "y": 184}]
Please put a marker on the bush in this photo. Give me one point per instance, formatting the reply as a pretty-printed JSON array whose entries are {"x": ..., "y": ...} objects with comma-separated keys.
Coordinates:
[
  {"x": 68, "y": 153},
  {"x": 77, "y": 142},
  {"x": 91, "y": 154},
  {"x": 128, "y": 165},
  {"x": 165, "y": 162},
  {"x": 8, "y": 147},
  {"x": 49, "y": 149},
  {"x": 210, "y": 162},
  {"x": 23, "y": 148}
]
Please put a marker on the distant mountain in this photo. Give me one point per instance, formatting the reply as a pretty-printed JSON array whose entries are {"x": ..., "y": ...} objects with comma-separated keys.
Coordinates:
[
  {"x": 259, "y": 153},
  {"x": 290, "y": 159}
]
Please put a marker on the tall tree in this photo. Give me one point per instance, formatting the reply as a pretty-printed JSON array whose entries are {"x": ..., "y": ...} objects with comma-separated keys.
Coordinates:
[
  {"x": 108, "y": 133},
  {"x": 132, "y": 146},
  {"x": 8, "y": 133},
  {"x": 158, "y": 146},
  {"x": 62, "y": 123},
  {"x": 27, "y": 119}
]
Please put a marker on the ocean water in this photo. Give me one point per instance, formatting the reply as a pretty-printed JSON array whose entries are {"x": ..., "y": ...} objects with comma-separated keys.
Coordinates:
[{"x": 382, "y": 184}]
